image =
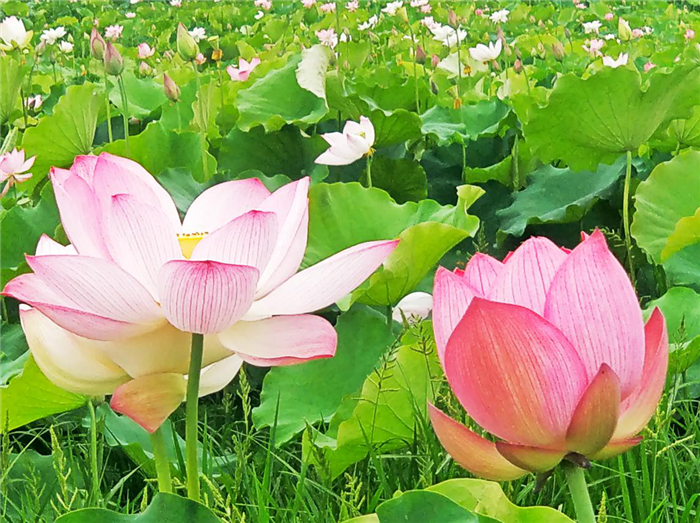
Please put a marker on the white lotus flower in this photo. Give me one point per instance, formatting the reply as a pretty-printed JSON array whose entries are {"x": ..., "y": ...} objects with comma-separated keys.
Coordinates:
[
  {"x": 13, "y": 34},
  {"x": 328, "y": 37},
  {"x": 500, "y": 17},
  {"x": 369, "y": 24},
  {"x": 592, "y": 27},
  {"x": 353, "y": 143},
  {"x": 449, "y": 36},
  {"x": 415, "y": 307},
  {"x": 198, "y": 33},
  {"x": 51, "y": 36},
  {"x": 392, "y": 7},
  {"x": 608, "y": 61},
  {"x": 113, "y": 32},
  {"x": 65, "y": 46},
  {"x": 594, "y": 46},
  {"x": 483, "y": 53}
]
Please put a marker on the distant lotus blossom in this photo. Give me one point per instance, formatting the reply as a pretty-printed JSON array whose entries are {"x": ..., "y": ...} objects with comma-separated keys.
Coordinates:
[
  {"x": 328, "y": 37},
  {"x": 592, "y": 27},
  {"x": 198, "y": 33},
  {"x": 581, "y": 6},
  {"x": 34, "y": 102},
  {"x": 200, "y": 59},
  {"x": 449, "y": 36},
  {"x": 51, "y": 36},
  {"x": 352, "y": 6},
  {"x": 259, "y": 15},
  {"x": 479, "y": 12},
  {"x": 419, "y": 3},
  {"x": 482, "y": 53},
  {"x": 12, "y": 167},
  {"x": 145, "y": 51},
  {"x": 609, "y": 36},
  {"x": 647, "y": 30},
  {"x": 308, "y": 4},
  {"x": 649, "y": 66},
  {"x": 65, "y": 46},
  {"x": 113, "y": 32},
  {"x": 392, "y": 7},
  {"x": 176, "y": 3},
  {"x": 145, "y": 69},
  {"x": 637, "y": 33},
  {"x": 369, "y": 24},
  {"x": 345, "y": 37},
  {"x": 353, "y": 143},
  {"x": 426, "y": 8},
  {"x": 132, "y": 2},
  {"x": 263, "y": 4},
  {"x": 608, "y": 61},
  {"x": 130, "y": 15},
  {"x": 594, "y": 46},
  {"x": 242, "y": 72},
  {"x": 500, "y": 17},
  {"x": 609, "y": 16},
  {"x": 328, "y": 7},
  {"x": 430, "y": 23},
  {"x": 689, "y": 34}
]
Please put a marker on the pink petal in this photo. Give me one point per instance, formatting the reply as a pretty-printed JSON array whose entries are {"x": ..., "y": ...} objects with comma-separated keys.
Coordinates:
[
  {"x": 515, "y": 374},
  {"x": 640, "y": 406},
  {"x": 80, "y": 213},
  {"x": 48, "y": 246},
  {"x": 615, "y": 448},
  {"x": 281, "y": 339},
  {"x": 476, "y": 454},
  {"x": 596, "y": 414},
  {"x": 481, "y": 272},
  {"x": 221, "y": 203},
  {"x": 141, "y": 238},
  {"x": 291, "y": 204},
  {"x": 451, "y": 298},
  {"x": 216, "y": 376},
  {"x": 84, "y": 167},
  {"x": 527, "y": 274},
  {"x": 246, "y": 240},
  {"x": 69, "y": 361},
  {"x": 117, "y": 175},
  {"x": 591, "y": 300},
  {"x": 534, "y": 459},
  {"x": 205, "y": 296},
  {"x": 326, "y": 282},
  {"x": 149, "y": 400}
]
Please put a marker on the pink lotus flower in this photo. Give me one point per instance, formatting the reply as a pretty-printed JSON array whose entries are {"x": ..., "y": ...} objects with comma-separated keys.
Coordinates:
[
  {"x": 145, "y": 51},
  {"x": 649, "y": 66},
  {"x": 328, "y": 37},
  {"x": 308, "y": 4},
  {"x": 689, "y": 34},
  {"x": 328, "y": 7},
  {"x": 352, "y": 6},
  {"x": 114, "y": 32},
  {"x": 609, "y": 16},
  {"x": 244, "y": 69},
  {"x": 548, "y": 352},
  {"x": 112, "y": 312},
  {"x": 12, "y": 167}
]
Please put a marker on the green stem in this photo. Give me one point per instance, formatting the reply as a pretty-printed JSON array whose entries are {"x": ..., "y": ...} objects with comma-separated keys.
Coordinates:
[
  {"x": 579, "y": 493},
  {"x": 415, "y": 65},
  {"x": 626, "y": 215},
  {"x": 191, "y": 414},
  {"x": 459, "y": 62},
  {"x": 109, "y": 110},
  {"x": 125, "y": 111},
  {"x": 96, "y": 495},
  {"x": 202, "y": 126},
  {"x": 337, "y": 31},
  {"x": 369, "y": 170},
  {"x": 160, "y": 454}
]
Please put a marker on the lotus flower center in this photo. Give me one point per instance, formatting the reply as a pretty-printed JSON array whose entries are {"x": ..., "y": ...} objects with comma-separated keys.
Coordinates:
[{"x": 188, "y": 241}]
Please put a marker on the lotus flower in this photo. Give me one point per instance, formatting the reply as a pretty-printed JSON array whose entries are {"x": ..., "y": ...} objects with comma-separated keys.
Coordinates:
[
  {"x": 353, "y": 143},
  {"x": 548, "y": 352},
  {"x": 242, "y": 72},
  {"x": 482, "y": 53},
  {"x": 112, "y": 313},
  {"x": 14, "y": 167},
  {"x": 13, "y": 34}
]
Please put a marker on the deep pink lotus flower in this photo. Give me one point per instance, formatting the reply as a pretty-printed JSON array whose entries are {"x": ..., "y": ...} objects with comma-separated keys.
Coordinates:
[
  {"x": 548, "y": 352},
  {"x": 112, "y": 313}
]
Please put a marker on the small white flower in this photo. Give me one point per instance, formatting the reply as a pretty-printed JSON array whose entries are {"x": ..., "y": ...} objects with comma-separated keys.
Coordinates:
[
  {"x": 176, "y": 3},
  {"x": 198, "y": 33},
  {"x": 353, "y": 143},
  {"x": 369, "y": 24},
  {"x": 263, "y": 4},
  {"x": 482, "y": 53},
  {"x": 328, "y": 7},
  {"x": 259, "y": 15},
  {"x": 344, "y": 37},
  {"x": 594, "y": 46},
  {"x": 592, "y": 27},
  {"x": 415, "y": 307},
  {"x": 500, "y": 17},
  {"x": 352, "y": 6},
  {"x": 34, "y": 102},
  {"x": 430, "y": 23},
  {"x": 65, "y": 47},
  {"x": 609, "y": 36},
  {"x": 610, "y": 62},
  {"x": 308, "y": 4},
  {"x": 392, "y": 7},
  {"x": 419, "y": 3},
  {"x": 113, "y": 32},
  {"x": 130, "y": 15},
  {"x": 449, "y": 36},
  {"x": 51, "y": 36}
]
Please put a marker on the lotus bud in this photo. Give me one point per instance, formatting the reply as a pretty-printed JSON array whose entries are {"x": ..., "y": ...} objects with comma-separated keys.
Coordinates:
[
  {"x": 217, "y": 54},
  {"x": 558, "y": 51},
  {"x": 518, "y": 54},
  {"x": 532, "y": 19},
  {"x": 145, "y": 69},
  {"x": 186, "y": 45},
  {"x": 113, "y": 61},
  {"x": 567, "y": 33},
  {"x": 40, "y": 48},
  {"x": 540, "y": 24},
  {"x": 624, "y": 31},
  {"x": 518, "y": 66},
  {"x": 420, "y": 55},
  {"x": 452, "y": 18},
  {"x": 435, "y": 60},
  {"x": 172, "y": 91},
  {"x": 97, "y": 45}
]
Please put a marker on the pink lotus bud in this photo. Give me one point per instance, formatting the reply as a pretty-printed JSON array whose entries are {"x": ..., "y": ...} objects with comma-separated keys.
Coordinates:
[
  {"x": 452, "y": 19},
  {"x": 434, "y": 60},
  {"x": 200, "y": 59},
  {"x": 172, "y": 91},
  {"x": 97, "y": 45},
  {"x": 113, "y": 61},
  {"x": 689, "y": 34},
  {"x": 145, "y": 69},
  {"x": 478, "y": 12},
  {"x": 649, "y": 66},
  {"x": 420, "y": 54},
  {"x": 518, "y": 65},
  {"x": 609, "y": 16}
]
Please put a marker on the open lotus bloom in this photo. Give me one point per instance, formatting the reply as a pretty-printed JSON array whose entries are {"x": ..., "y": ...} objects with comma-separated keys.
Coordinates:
[
  {"x": 548, "y": 352},
  {"x": 242, "y": 72},
  {"x": 113, "y": 312},
  {"x": 353, "y": 143}
]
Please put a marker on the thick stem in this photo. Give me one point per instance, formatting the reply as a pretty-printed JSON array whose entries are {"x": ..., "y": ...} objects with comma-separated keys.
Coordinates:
[
  {"x": 415, "y": 65},
  {"x": 109, "y": 110},
  {"x": 369, "y": 170},
  {"x": 125, "y": 111},
  {"x": 579, "y": 493},
  {"x": 160, "y": 454},
  {"x": 191, "y": 412},
  {"x": 626, "y": 216},
  {"x": 95, "y": 494}
]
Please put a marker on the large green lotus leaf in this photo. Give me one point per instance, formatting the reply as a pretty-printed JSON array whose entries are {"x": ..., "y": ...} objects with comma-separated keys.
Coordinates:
[
  {"x": 158, "y": 148},
  {"x": 165, "y": 508},
  {"x": 421, "y": 506},
  {"x": 687, "y": 232},
  {"x": 283, "y": 152},
  {"x": 391, "y": 128},
  {"x": 594, "y": 120},
  {"x": 277, "y": 99},
  {"x": 687, "y": 132},
  {"x": 681, "y": 308},
  {"x": 143, "y": 95},
  {"x": 31, "y": 396},
  {"x": 388, "y": 410},
  {"x": 14, "y": 353},
  {"x": 558, "y": 196},
  {"x": 21, "y": 227},
  {"x": 302, "y": 394},
  {"x": 68, "y": 132},
  {"x": 670, "y": 194},
  {"x": 12, "y": 73},
  {"x": 404, "y": 179},
  {"x": 469, "y": 122}
]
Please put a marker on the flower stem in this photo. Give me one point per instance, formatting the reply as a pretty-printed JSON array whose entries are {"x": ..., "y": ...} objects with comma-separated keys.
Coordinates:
[
  {"x": 369, "y": 171},
  {"x": 160, "y": 454},
  {"x": 579, "y": 493},
  {"x": 95, "y": 494},
  {"x": 125, "y": 111},
  {"x": 191, "y": 414},
  {"x": 415, "y": 65},
  {"x": 626, "y": 215},
  {"x": 202, "y": 123},
  {"x": 109, "y": 110}
]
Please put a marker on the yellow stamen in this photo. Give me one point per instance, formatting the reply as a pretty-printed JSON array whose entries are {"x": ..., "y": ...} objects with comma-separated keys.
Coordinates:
[{"x": 188, "y": 241}]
